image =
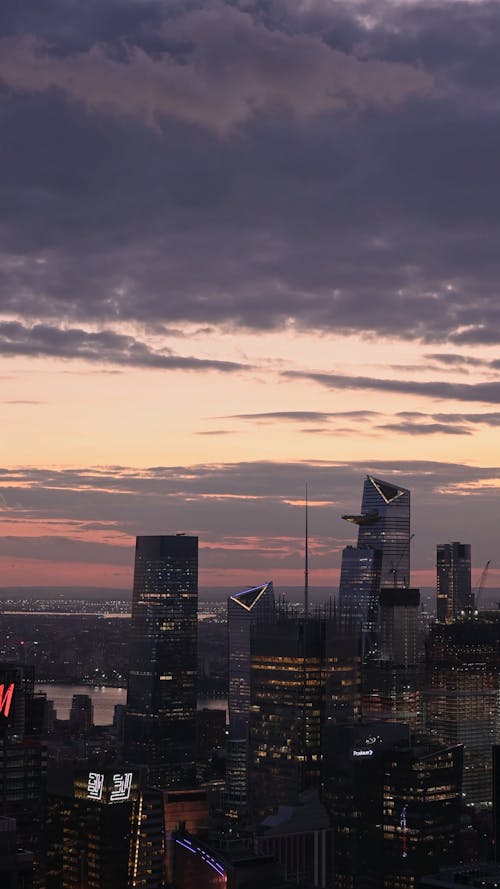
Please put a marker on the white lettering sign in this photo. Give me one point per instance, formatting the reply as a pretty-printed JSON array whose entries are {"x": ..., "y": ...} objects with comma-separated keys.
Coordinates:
[
  {"x": 122, "y": 785},
  {"x": 95, "y": 785},
  {"x": 362, "y": 752}
]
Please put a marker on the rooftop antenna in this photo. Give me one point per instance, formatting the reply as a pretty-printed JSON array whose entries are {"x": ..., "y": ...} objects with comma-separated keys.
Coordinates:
[{"x": 306, "y": 564}]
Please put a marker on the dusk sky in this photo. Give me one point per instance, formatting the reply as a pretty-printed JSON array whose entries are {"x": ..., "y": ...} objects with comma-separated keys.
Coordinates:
[{"x": 246, "y": 246}]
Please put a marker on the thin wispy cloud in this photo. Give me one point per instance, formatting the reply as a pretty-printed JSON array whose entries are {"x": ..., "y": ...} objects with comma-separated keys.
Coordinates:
[{"x": 484, "y": 392}]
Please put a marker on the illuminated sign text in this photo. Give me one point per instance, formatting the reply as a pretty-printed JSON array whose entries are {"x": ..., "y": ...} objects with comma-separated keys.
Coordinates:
[
  {"x": 95, "y": 786},
  {"x": 122, "y": 785},
  {"x": 6, "y": 698}
]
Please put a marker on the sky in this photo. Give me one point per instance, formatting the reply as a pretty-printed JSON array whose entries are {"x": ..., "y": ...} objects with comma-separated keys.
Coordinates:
[{"x": 245, "y": 247}]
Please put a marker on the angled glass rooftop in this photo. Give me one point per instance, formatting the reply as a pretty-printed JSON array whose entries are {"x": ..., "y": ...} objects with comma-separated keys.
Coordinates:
[{"x": 249, "y": 598}]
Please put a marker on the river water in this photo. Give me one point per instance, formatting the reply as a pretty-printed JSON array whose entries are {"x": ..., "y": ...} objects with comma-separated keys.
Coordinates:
[{"x": 104, "y": 700}]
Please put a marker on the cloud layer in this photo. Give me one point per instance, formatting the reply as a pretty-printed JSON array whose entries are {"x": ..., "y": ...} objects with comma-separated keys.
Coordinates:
[
  {"x": 355, "y": 188},
  {"x": 223, "y": 68}
]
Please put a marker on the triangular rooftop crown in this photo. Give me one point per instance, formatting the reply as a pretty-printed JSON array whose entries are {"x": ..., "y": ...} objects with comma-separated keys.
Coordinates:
[
  {"x": 386, "y": 490},
  {"x": 248, "y": 598}
]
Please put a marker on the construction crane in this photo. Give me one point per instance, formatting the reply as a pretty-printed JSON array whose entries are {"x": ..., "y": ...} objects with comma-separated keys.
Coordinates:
[
  {"x": 395, "y": 567},
  {"x": 482, "y": 583}
]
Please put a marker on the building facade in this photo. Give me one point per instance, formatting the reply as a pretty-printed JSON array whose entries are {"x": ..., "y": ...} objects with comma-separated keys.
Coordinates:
[
  {"x": 453, "y": 570},
  {"x": 305, "y": 675},
  {"x": 462, "y": 703},
  {"x": 160, "y": 719},
  {"x": 244, "y": 610},
  {"x": 381, "y": 557}
]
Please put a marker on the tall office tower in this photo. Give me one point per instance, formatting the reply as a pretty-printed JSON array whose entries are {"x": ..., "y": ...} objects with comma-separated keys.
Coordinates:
[
  {"x": 395, "y": 805},
  {"x": 96, "y": 830},
  {"x": 305, "y": 674},
  {"x": 352, "y": 793},
  {"x": 23, "y": 759},
  {"x": 421, "y": 815},
  {"x": 244, "y": 610},
  {"x": 454, "y": 592},
  {"x": 160, "y": 720},
  {"x": 392, "y": 683},
  {"x": 462, "y": 696},
  {"x": 399, "y": 626},
  {"x": 359, "y": 586},
  {"x": 381, "y": 557}
]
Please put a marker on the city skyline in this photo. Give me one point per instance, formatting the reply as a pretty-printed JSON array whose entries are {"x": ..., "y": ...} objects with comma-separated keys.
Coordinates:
[{"x": 265, "y": 269}]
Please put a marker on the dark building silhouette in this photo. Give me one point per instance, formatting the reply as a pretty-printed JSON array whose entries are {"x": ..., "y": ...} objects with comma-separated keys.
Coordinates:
[
  {"x": 96, "y": 829},
  {"x": 305, "y": 673},
  {"x": 422, "y": 799},
  {"x": 210, "y": 732},
  {"x": 300, "y": 839},
  {"x": 23, "y": 759},
  {"x": 462, "y": 695},
  {"x": 395, "y": 806},
  {"x": 16, "y": 865},
  {"x": 81, "y": 715},
  {"x": 496, "y": 800},
  {"x": 484, "y": 875},
  {"x": 160, "y": 720},
  {"x": 454, "y": 592},
  {"x": 199, "y": 865},
  {"x": 399, "y": 626},
  {"x": 353, "y": 780},
  {"x": 392, "y": 682}
]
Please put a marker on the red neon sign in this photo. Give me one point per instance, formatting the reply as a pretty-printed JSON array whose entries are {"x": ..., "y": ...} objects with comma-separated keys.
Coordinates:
[{"x": 6, "y": 699}]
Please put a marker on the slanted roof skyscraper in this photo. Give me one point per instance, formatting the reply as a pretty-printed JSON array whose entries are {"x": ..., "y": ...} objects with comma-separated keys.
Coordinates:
[
  {"x": 382, "y": 555},
  {"x": 244, "y": 610}
]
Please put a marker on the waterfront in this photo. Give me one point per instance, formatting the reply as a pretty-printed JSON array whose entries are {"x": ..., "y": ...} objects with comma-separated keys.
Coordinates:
[{"x": 104, "y": 700}]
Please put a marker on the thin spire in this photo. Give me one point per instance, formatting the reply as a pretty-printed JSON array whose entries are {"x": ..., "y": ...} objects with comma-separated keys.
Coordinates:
[{"x": 306, "y": 563}]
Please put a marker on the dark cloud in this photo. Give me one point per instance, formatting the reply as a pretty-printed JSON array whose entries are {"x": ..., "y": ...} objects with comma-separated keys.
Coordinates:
[
  {"x": 487, "y": 419},
  {"x": 426, "y": 428},
  {"x": 215, "y": 432},
  {"x": 491, "y": 418},
  {"x": 485, "y": 392},
  {"x": 231, "y": 68},
  {"x": 300, "y": 416},
  {"x": 103, "y": 346},
  {"x": 380, "y": 216},
  {"x": 454, "y": 359}
]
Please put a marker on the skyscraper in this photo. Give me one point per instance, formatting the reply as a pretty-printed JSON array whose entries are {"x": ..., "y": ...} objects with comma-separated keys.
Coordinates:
[
  {"x": 160, "y": 721},
  {"x": 399, "y": 626},
  {"x": 462, "y": 696},
  {"x": 381, "y": 557},
  {"x": 392, "y": 682},
  {"x": 244, "y": 610},
  {"x": 454, "y": 593},
  {"x": 23, "y": 759},
  {"x": 305, "y": 675}
]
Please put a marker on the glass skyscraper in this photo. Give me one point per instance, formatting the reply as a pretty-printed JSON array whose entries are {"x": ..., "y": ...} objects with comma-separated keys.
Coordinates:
[
  {"x": 382, "y": 555},
  {"x": 454, "y": 593},
  {"x": 244, "y": 610},
  {"x": 305, "y": 675},
  {"x": 160, "y": 720}
]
